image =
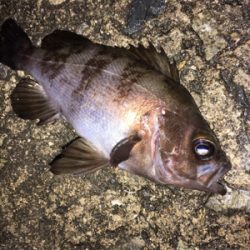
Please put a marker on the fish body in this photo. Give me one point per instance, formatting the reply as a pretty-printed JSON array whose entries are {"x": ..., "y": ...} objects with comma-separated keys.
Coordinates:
[
  {"x": 127, "y": 106},
  {"x": 95, "y": 96}
]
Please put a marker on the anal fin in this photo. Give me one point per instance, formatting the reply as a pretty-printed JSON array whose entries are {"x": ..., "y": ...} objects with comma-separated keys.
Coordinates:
[
  {"x": 29, "y": 101},
  {"x": 79, "y": 157}
]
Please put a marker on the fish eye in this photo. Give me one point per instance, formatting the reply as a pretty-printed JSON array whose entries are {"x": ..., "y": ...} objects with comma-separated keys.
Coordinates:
[{"x": 203, "y": 149}]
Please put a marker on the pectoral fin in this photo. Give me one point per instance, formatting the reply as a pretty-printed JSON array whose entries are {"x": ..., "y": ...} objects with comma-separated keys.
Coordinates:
[
  {"x": 122, "y": 149},
  {"x": 29, "y": 101},
  {"x": 79, "y": 157}
]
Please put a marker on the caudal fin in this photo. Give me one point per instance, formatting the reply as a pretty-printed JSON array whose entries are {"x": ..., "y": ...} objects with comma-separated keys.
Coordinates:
[{"x": 14, "y": 43}]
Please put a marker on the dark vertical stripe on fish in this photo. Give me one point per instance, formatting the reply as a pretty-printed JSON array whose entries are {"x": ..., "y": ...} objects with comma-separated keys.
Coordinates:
[
  {"x": 91, "y": 70},
  {"x": 54, "y": 61},
  {"x": 129, "y": 77}
]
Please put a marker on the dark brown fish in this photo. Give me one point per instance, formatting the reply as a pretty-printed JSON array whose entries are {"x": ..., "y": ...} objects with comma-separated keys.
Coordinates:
[{"x": 127, "y": 106}]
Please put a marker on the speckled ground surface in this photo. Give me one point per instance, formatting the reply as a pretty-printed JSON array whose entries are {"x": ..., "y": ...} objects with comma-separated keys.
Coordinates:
[{"x": 113, "y": 209}]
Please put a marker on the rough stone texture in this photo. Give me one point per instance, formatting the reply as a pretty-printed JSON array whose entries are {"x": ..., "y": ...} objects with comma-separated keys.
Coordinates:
[{"x": 112, "y": 209}]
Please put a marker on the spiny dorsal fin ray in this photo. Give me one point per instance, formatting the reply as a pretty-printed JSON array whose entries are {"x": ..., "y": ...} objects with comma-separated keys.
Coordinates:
[
  {"x": 158, "y": 60},
  {"x": 60, "y": 39},
  {"x": 79, "y": 157},
  {"x": 29, "y": 101}
]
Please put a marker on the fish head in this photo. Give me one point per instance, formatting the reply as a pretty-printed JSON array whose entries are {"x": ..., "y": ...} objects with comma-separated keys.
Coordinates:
[{"x": 186, "y": 153}]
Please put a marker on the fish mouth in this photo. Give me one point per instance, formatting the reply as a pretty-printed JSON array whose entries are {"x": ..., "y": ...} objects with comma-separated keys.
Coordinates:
[{"x": 215, "y": 183}]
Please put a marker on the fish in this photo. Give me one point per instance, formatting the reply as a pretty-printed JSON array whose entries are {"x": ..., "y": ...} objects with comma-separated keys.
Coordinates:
[{"x": 127, "y": 107}]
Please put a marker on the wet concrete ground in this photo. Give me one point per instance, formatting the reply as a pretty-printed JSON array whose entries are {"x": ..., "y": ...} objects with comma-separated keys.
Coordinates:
[{"x": 112, "y": 209}]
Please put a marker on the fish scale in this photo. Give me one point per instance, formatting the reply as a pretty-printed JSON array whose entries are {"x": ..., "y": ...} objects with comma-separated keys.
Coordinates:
[{"x": 94, "y": 97}]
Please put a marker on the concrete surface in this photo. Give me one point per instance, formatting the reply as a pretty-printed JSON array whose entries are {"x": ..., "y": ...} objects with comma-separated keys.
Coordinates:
[{"x": 113, "y": 209}]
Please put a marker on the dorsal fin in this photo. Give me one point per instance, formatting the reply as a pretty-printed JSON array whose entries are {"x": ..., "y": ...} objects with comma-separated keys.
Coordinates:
[
  {"x": 59, "y": 39},
  {"x": 158, "y": 60}
]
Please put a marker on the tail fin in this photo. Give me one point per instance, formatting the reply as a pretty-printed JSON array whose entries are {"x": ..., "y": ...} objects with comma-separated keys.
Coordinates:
[{"x": 14, "y": 42}]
